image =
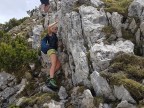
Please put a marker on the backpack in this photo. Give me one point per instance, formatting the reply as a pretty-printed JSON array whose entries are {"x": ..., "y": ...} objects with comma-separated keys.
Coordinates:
[{"x": 44, "y": 45}]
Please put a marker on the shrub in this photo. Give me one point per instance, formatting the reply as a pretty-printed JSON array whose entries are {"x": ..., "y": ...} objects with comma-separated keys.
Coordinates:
[
  {"x": 12, "y": 23},
  {"x": 15, "y": 54}
]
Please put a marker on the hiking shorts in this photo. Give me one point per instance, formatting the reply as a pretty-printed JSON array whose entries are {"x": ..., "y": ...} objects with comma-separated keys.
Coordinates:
[
  {"x": 51, "y": 51},
  {"x": 46, "y": 2}
]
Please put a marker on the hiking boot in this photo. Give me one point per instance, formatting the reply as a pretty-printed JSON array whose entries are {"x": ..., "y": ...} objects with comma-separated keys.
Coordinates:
[
  {"x": 47, "y": 79},
  {"x": 43, "y": 14},
  {"x": 52, "y": 84}
]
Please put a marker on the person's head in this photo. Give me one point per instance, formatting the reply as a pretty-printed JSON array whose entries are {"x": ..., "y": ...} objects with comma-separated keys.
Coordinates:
[{"x": 53, "y": 29}]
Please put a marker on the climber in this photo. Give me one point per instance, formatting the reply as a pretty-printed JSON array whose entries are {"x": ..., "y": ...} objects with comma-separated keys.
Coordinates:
[
  {"x": 44, "y": 7},
  {"x": 51, "y": 50}
]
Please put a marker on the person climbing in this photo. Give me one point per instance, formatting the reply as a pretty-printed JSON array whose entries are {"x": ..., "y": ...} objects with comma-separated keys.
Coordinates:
[
  {"x": 44, "y": 7},
  {"x": 49, "y": 46}
]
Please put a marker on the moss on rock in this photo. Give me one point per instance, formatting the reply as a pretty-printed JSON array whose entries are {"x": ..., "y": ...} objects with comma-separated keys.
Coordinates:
[
  {"x": 97, "y": 101},
  {"x": 126, "y": 34},
  {"x": 40, "y": 99},
  {"x": 108, "y": 30},
  {"x": 44, "y": 33},
  {"x": 81, "y": 89},
  {"x": 13, "y": 106},
  {"x": 127, "y": 70},
  {"x": 120, "y": 6}
]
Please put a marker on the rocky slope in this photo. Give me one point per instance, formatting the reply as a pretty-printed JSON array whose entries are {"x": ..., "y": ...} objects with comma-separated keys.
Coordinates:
[{"x": 100, "y": 64}]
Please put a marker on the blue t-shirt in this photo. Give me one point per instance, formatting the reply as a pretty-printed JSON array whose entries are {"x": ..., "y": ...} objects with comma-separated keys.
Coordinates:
[{"x": 49, "y": 42}]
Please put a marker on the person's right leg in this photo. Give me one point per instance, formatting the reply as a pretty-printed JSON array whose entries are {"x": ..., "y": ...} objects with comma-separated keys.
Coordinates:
[{"x": 46, "y": 8}]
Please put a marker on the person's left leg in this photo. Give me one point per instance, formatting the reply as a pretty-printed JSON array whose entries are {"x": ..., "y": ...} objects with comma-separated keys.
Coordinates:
[
  {"x": 53, "y": 59},
  {"x": 58, "y": 65},
  {"x": 51, "y": 83}
]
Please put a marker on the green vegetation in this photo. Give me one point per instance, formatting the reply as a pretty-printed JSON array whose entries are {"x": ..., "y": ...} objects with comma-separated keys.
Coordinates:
[
  {"x": 128, "y": 35},
  {"x": 81, "y": 89},
  {"x": 76, "y": 6},
  {"x": 120, "y": 6},
  {"x": 13, "y": 106},
  {"x": 44, "y": 33},
  {"x": 108, "y": 30},
  {"x": 69, "y": 104},
  {"x": 12, "y": 23},
  {"x": 127, "y": 70},
  {"x": 15, "y": 53},
  {"x": 39, "y": 99},
  {"x": 98, "y": 100},
  {"x": 109, "y": 34}
]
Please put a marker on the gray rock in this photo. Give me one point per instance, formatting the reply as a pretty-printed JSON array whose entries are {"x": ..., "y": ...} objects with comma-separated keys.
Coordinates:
[
  {"x": 122, "y": 94},
  {"x": 143, "y": 81},
  {"x": 54, "y": 104},
  {"x": 133, "y": 25},
  {"x": 32, "y": 66},
  {"x": 116, "y": 23},
  {"x": 126, "y": 24},
  {"x": 73, "y": 39},
  {"x": 101, "y": 86},
  {"x": 20, "y": 101},
  {"x": 92, "y": 23},
  {"x": 67, "y": 6},
  {"x": 62, "y": 93},
  {"x": 142, "y": 28},
  {"x": 137, "y": 35},
  {"x": 87, "y": 101},
  {"x": 6, "y": 79},
  {"x": 21, "y": 86},
  {"x": 36, "y": 36},
  {"x": 8, "y": 92},
  {"x": 125, "y": 104},
  {"x": 102, "y": 54},
  {"x": 53, "y": 5},
  {"x": 104, "y": 105},
  {"x": 142, "y": 16},
  {"x": 109, "y": 17},
  {"x": 97, "y": 3},
  {"x": 45, "y": 89},
  {"x": 135, "y": 8}
]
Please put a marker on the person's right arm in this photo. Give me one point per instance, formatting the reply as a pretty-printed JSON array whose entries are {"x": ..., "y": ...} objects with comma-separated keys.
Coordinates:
[{"x": 52, "y": 25}]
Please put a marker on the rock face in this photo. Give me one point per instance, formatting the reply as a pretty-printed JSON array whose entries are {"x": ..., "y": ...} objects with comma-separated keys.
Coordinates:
[
  {"x": 101, "y": 86},
  {"x": 116, "y": 23},
  {"x": 122, "y": 94},
  {"x": 136, "y": 9},
  {"x": 36, "y": 36},
  {"x": 85, "y": 55},
  {"x": 102, "y": 54},
  {"x": 8, "y": 89}
]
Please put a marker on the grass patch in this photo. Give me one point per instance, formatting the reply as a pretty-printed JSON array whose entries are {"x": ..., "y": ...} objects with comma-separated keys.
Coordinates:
[
  {"x": 120, "y": 6},
  {"x": 76, "y": 6},
  {"x": 39, "y": 99},
  {"x": 108, "y": 30},
  {"x": 97, "y": 101},
  {"x": 131, "y": 65},
  {"x": 44, "y": 33},
  {"x": 126, "y": 34},
  {"x": 127, "y": 70}
]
